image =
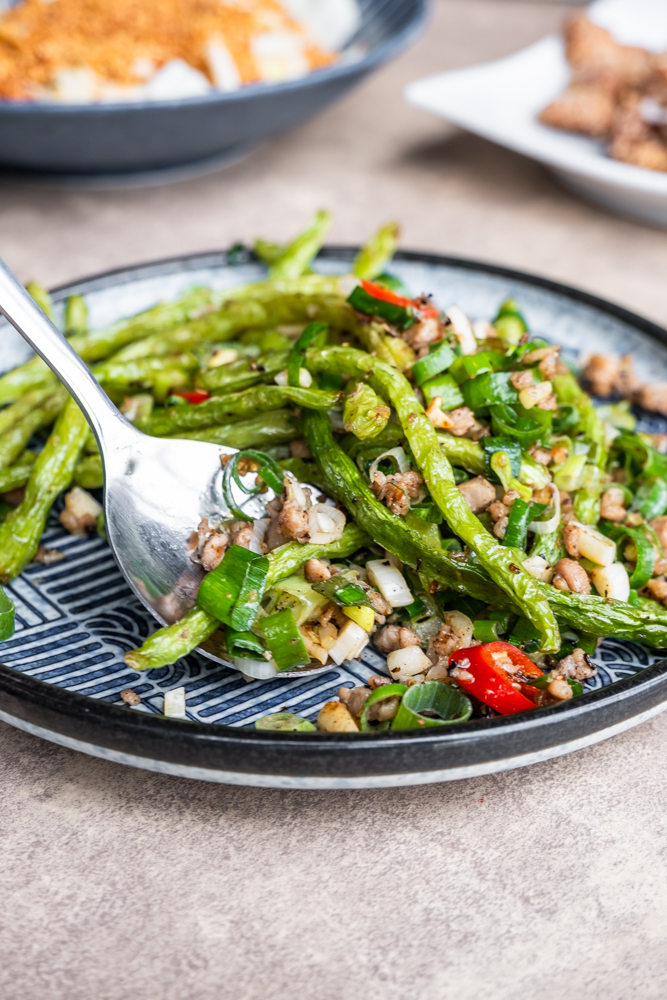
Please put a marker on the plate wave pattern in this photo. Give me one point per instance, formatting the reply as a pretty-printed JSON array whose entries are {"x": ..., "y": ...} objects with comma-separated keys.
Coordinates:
[{"x": 77, "y": 618}]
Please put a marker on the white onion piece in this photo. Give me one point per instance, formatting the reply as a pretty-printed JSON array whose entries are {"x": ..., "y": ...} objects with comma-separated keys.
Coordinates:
[
  {"x": 259, "y": 529},
  {"x": 352, "y": 638},
  {"x": 298, "y": 493},
  {"x": 406, "y": 663},
  {"x": 462, "y": 329},
  {"x": 594, "y": 545},
  {"x": 390, "y": 582},
  {"x": 174, "y": 703},
  {"x": 612, "y": 581},
  {"x": 305, "y": 378},
  {"x": 547, "y": 527},
  {"x": 258, "y": 670},
  {"x": 398, "y": 454},
  {"x": 539, "y": 568},
  {"x": 325, "y": 524}
]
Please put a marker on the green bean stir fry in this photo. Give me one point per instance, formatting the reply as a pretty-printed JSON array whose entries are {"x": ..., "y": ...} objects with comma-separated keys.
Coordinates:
[{"x": 443, "y": 489}]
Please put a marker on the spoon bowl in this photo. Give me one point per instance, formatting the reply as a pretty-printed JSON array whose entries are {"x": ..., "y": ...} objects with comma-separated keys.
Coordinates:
[{"x": 156, "y": 490}]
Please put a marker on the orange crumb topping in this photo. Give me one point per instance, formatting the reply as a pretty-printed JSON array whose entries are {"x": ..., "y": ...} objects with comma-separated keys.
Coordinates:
[{"x": 38, "y": 38}]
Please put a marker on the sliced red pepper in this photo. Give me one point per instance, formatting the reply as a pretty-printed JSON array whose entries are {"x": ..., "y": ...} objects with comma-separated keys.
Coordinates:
[
  {"x": 491, "y": 683},
  {"x": 197, "y": 396},
  {"x": 379, "y": 292}
]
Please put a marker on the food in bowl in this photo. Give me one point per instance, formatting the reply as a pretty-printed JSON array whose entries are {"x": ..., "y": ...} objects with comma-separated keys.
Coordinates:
[
  {"x": 84, "y": 51},
  {"x": 617, "y": 93},
  {"x": 441, "y": 488}
]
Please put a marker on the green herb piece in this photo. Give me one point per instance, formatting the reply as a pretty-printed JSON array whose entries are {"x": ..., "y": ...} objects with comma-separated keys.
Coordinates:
[
  {"x": 284, "y": 641},
  {"x": 507, "y": 423},
  {"x": 526, "y": 636},
  {"x": 510, "y": 323},
  {"x": 489, "y": 389},
  {"x": 432, "y": 704},
  {"x": 485, "y": 630},
  {"x": 439, "y": 360},
  {"x": 233, "y": 591},
  {"x": 651, "y": 462},
  {"x": 269, "y": 471},
  {"x": 414, "y": 610},
  {"x": 379, "y": 694},
  {"x": 285, "y": 722},
  {"x": 646, "y": 548},
  {"x": 342, "y": 592},
  {"x": 507, "y": 446},
  {"x": 398, "y": 316},
  {"x": 522, "y": 513},
  {"x": 445, "y": 387},
  {"x": 315, "y": 335},
  {"x": 567, "y": 416},
  {"x": 428, "y": 530},
  {"x": 570, "y": 475},
  {"x": 651, "y": 499},
  {"x": 471, "y": 365},
  {"x": 243, "y": 643}
]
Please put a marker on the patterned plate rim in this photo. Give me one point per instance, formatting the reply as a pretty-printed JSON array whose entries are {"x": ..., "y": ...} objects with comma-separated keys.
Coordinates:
[{"x": 217, "y": 748}]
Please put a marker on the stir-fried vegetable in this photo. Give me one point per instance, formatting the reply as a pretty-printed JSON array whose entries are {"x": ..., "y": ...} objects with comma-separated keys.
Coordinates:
[{"x": 443, "y": 489}]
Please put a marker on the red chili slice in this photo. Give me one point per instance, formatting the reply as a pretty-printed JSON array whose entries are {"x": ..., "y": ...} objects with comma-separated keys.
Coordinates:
[
  {"x": 491, "y": 683},
  {"x": 198, "y": 396},
  {"x": 380, "y": 292}
]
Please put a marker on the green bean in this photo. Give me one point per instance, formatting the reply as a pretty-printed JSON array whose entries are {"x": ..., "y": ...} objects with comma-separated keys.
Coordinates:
[
  {"x": 171, "y": 643},
  {"x": 257, "y": 399},
  {"x": 23, "y": 405},
  {"x": 264, "y": 291},
  {"x": 267, "y": 252},
  {"x": 14, "y": 440},
  {"x": 376, "y": 254},
  {"x": 298, "y": 255},
  {"x": 88, "y": 473},
  {"x": 17, "y": 474},
  {"x": 243, "y": 373},
  {"x": 98, "y": 344},
  {"x": 502, "y": 563},
  {"x": 393, "y": 351},
  {"x": 464, "y": 452},
  {"x": 76, "y": 316},
  {"x": 276, "y": 427},
  {"x": 276, "y": 308},
  {"x": 41, "y": 297},
  {"x": 51, "y": 473},
  {"x": 144, "y": 371}
]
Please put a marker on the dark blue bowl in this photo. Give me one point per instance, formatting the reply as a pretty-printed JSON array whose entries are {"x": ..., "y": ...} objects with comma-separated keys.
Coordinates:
[{"x": 126, "y": 138}]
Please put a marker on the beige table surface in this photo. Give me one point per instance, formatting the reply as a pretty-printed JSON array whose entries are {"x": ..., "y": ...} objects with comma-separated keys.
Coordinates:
[{"x": 548, "y": 882}]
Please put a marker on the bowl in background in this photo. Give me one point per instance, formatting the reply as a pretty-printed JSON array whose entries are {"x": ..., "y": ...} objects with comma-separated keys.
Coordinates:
[{"x": 89, "y": 139}]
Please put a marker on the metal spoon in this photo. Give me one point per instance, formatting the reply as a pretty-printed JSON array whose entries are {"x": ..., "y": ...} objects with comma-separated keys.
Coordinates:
[{"x": 156, "y": 489}]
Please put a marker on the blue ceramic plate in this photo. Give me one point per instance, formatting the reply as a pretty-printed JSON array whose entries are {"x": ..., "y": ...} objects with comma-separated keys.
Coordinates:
[{"x": 63, "y": 671}]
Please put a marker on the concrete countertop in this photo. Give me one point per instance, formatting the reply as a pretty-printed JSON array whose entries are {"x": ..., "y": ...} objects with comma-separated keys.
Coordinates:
[{"x": 547, "y": 882}]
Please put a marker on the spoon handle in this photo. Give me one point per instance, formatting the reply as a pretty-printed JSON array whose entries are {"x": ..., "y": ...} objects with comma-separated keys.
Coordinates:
[{"x": 18, "y": 306}]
